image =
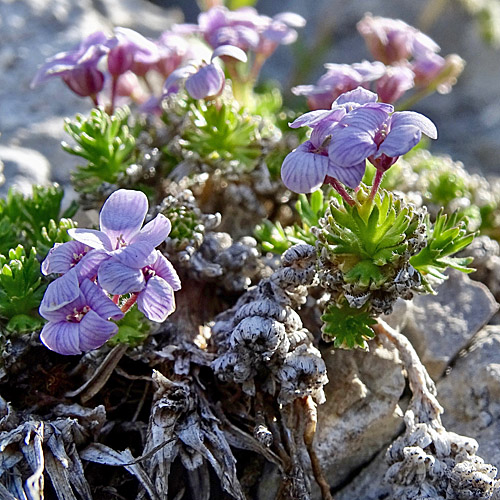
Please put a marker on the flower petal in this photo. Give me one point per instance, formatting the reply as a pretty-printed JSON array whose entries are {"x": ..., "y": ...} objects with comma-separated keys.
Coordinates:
[
  {"x": 119, "y": 279},
  {"x": 311, "y": 118},
  {"x": 207, "y": 82},
  {"x": 231, "y": 51},
  {"x": 91, "y": 238},
  {"x": 350, "y": 146},
  {"x": 98, "y": 301},
  {"x": 154, "y": 232},
  {"x": 359, "y": 95},
  {"x": 88, "y": 266},
  {"x": 62, "y": 337},
  {"x": 136, "y": 255},
  {"x": 418, "y": 120},
  {"x": 95, "y": 331},
  {"x": 350, "y": 176},
  {"x": 123, "y": 215},
  {"x": 400, "y": 140},
  {"x": 59, "y": 293},
  {"x": 369, "y": 118},
  {"x": 175, "y": 77},
  {"x": 304, "y": 171},
  {"x": 157, "y": 300},
  {"x": 164, "y": 269},
  {"x": 63, "y": 256}
]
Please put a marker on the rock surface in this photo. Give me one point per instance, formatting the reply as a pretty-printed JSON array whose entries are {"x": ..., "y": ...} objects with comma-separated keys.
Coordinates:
[
  {"x": 361, "y": 412},
  {"x": 474, "y": 410},
  {"x": 439, "y": 326}
]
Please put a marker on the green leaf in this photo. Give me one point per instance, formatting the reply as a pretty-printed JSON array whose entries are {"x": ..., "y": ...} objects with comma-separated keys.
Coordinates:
[
  {"x": 133, "y": 329},
  {"x": 445, "y": 238},
  {"x": 346, "y": 326}
]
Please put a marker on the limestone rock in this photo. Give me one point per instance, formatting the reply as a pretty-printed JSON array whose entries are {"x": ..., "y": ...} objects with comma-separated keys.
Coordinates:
[
  {"x": 470, "y": 394},
  {"x": 361, "y": 413},
  {"x": 440, "y": 326},
  {"x": 22, "y": 168}
]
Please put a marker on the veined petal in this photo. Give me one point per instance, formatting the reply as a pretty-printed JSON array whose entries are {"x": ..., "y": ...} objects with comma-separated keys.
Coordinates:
[
  {"x": 207, "y": 82},
  {"x": 176, "y": 76},
  {"x": 136, "y": 255},
  {"x": 157, "y": 300},
  {"x": 95, "y": 331},
  {"x": 304, "y": 171},
  {"x": 59, "y": 293},
  {"x": 63, "y": 257},
  {"x": 418, "y": 120},
  {"x": 368, "y": 119},
  {"x": 359, "y": 96},
  {"x": 61, "y": 337},
  {"x": 122, "y": 215},
  {"x": 154, "y": 232},
  {"x": 350, "y": 146},
  {"x": 91, "y": 238},
  {"x": 400, "y": 140},
  {"x": 310, "y": 119},
  {"x": 99, "y": 302},
  {"x": 88, "y": 266},
  {"x": 164, "y": 269},
  {"x": 231, "y": 51},
  {"x": 119, "y": 279},
  {"x": 350, "y": 176}
]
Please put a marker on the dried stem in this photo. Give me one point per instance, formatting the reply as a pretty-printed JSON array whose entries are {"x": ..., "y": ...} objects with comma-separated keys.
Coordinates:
[
  {"x": 424, "y": 400},
  {"x": 310, "y": 412},
  {"x": 95, "y": 383}
]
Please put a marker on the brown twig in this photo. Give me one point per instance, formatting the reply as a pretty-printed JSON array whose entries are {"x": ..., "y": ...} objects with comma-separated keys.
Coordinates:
[{"x": 310, "y": 413}]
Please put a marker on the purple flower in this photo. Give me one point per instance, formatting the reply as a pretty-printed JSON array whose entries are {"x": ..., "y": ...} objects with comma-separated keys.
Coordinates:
[
  {"x": 394, "y": 83},
  {"x": 73, "y": 255},
  {"x": 442, "y": 73},
  {"x": 206, "y": 81},
  {"x": 392, "y": 40},
  {"x": 121, "y": 236},
  {"x": 357, "y": 128},
  {"x": 78, "y": 67},
  {"x": 338, "y": 79},
  {"x": 132, "y": 52},
  {"x": 154, "y": 285},
  {"x": 370, "y": 132},
  {"x": 173, "y": 49},
  {"x": 77, "y": 316}
]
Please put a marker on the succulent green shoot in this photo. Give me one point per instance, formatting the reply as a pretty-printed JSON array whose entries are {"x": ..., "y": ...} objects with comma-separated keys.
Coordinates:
[
  {"x": 368, "y": 235},
  {"x": 219, "y": 132},
  {"x": 34, "y": 221},
  {"x": 106, "y": 142},
  {"x": 276, "y": 238},
  {"x": 445, "y": 238},
  {"x": 21, "y": 289}
]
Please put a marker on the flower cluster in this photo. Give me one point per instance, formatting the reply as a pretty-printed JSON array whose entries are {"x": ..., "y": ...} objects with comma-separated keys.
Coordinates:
[
  {"x": 405, "y": 58},
  {"x": 118, "y": 260},
  {"x": 130, "y": 57},
  {"x": 114, "y": 70},
  {"x": 356, "y": 128}
]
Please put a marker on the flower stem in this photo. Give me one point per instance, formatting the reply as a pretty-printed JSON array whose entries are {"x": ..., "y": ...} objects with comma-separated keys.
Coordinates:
[
  {"x": 376, "y": 183},
  {"x": 114, "y": 88},
  {"x": 340, "y": 189},
  {"x": 130, "y": 302}
]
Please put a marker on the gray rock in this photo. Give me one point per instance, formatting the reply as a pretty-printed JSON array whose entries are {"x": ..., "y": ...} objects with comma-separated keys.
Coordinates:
[
  {"x": 361, "y": 413},
  {"x": 440, "y": 326},
  {"x": 22, "y": 168},
  {"x": 470, "y": 394}
]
